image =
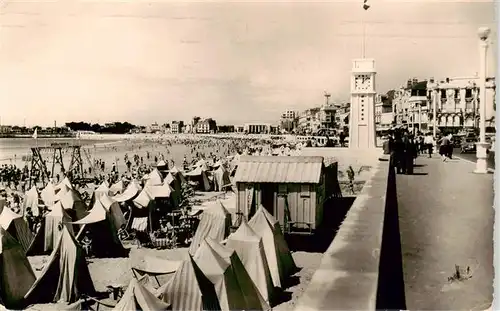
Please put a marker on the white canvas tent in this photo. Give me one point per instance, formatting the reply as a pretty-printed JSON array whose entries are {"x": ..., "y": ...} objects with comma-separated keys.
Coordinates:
[
  {"x": 31, "y": 201},
  {"x": 199, "y": 175},
  {"x": 48, "y": 235},
  {"x": 154, "y": 178},
  {"x": 215, "y": 222},
  {"x": 64, "y": 184},
  {"x": 226, "y": 275},
  {"x": 130, "y": 193},
  {"x": 137, "y": 297},
  {"x": 105, "y": 241},
  {"x": 249, "y": 247},
  {"x": 102, "y": 189},
  {"x": 48, "y": 194},
  {"x": 278, "y": 255},
  {"x": 117, "y": 188},
  {"x": 221, "y": 179},
  {"x": 114, "y": 210}
]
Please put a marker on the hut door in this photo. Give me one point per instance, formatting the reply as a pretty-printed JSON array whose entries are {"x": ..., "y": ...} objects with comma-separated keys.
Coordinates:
[{"x": 267, "y": 192}]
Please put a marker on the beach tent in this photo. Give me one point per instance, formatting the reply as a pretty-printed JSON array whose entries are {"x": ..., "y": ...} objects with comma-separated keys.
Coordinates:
[
  {"x": 117, "y": 187},
  {"x": 278, "y": 255},
  {"x": 130, "y": 193},
  {"x": 73, "y": 204},
  {"x": 49, "y": 233},
  {"x": 199, "y": 175},
  {"x": 221, "y": 179},
  {"x": 17, "y": 226},
  {"x": 143, "y": 264},
  {"x": 16, "y": 274},
  {"x": 65, "y": 276},
  {"x": 31, "y": 202},
  {"x": 215, "y": 222},
  {"x": 137, "y": 297},
  {"x": 162, "y": 165},
  {"x": 190, "y": 289},
  {"x": 222, "y": 273},
  {"x": 142, "y": 206},
  {"x": 249, "y": 247},
  {"x": 178, "y": 174},
  {"x": 64, "y": 184},
  {"x": 203, "y": 164},
  {"x": 154, "y": 178},
  {"x": 102, "y": 189},
  {"x": 254, "y": 300},
  {"x": 176, "y": 184},
  {"x": 114, "y": 210},
  {"x": 103, "y": 233},
  {"x": 48, "y": 194}
]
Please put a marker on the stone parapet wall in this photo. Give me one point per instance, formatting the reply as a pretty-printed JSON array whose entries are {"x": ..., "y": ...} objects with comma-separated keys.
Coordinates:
[{"x": 348, "y": 276}]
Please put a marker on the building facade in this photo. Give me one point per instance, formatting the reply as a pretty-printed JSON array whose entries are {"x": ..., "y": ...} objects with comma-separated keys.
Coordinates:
[
  {"x": 257, "y": 128},
  {"x": 456, "y": 103},
  {"x": 288, "y": 121},
  {"x": 176, "y": 127},
  {"x": 383, "y": 113},
  {"x": 207, "y": 126}
]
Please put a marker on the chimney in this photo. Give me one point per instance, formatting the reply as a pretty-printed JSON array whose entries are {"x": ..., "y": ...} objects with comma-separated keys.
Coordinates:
[
  {"x": 409, "y": 83},
  {"x": 431, "y": 80},
  {"x": 447, "y": 80}
]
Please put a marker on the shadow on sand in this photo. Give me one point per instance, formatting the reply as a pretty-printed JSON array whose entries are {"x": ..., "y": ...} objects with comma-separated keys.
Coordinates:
[{"x": 335, "y": 210}]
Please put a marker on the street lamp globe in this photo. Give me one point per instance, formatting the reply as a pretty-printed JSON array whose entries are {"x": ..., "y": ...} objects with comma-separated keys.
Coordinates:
[{"x": 483, "y": 33}]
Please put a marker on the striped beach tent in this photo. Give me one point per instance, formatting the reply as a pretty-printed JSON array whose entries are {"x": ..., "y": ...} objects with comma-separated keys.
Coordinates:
[
  {"x": 233, "y": 291},
  {"x": 279, "y": 258},
  {"x": 250, "y": 248},
  {"x": 137, "y": 297},
  {"x": 49, "y": 233},
  {"x": 17, "y": 226},
  {"x": 215, "y": 222},
  {"x": 190, "y": 289}
]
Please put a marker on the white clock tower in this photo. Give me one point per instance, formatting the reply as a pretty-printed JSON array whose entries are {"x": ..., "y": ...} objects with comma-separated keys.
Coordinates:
[{"x": 362, "y": 113}]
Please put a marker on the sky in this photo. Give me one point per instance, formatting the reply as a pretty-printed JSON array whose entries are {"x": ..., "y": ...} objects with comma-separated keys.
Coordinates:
[{"x": 157, "y": 61}]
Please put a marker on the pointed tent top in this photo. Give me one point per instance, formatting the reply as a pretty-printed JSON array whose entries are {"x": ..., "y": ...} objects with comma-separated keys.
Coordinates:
[
  {"x": 143, "y": 199},
  {"x": 117, "y": 187},
  {"x": 273, "y": 221},
  {"x": 33, "y": 190},
  {"x": 132, "y": 189},
  {"x": 217, "y": 208},
  {"x": 57, "y": 210},
  {"x": 7, "y": 241},
  {"x": 102, "y": 187},
  {"x": 106, "y": 201},
  {"x": 97, "y": 213},
  {"x": 244, "y": 233},
  {"x": 169, "y": 179},
  {"x": 137, "y": 297},
  {"x": 161, "y": 163},
  {"x": 174, "y": 170},
  {"x": 160, "y": 191},
  {"x": 6, "y": 217},
  {"x": 154, "y": 178},
  {"x": 64, "y": 182},
  {"x": 210, "y": 262},
  {"x": 223, "y": 251},
  {"x": 69, "y": 198}
]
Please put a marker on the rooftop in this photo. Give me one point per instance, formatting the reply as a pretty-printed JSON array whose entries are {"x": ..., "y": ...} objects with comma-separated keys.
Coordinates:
[{"x": 281, "y": 169}]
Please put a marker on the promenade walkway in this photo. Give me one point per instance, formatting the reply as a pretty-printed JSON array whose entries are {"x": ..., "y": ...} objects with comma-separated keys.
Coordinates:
[{"x": 446, "y": 219}]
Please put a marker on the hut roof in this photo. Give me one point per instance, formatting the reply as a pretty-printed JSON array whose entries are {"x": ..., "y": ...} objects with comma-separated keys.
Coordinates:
[{"x": 269, "y": 169}]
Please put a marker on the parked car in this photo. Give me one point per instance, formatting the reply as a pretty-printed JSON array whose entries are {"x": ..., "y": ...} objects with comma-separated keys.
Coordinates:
[{"x": 468, "y": 145}]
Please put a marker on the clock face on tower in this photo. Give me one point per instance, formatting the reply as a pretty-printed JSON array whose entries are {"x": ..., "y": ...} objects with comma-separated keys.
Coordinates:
[{"x": 362, "y": 82}]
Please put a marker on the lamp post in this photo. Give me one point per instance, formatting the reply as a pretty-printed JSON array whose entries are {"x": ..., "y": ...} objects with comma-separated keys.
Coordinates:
[{"x": 481, "y": 147}]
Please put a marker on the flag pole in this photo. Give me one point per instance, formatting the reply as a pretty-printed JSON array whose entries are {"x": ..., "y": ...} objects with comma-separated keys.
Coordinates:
[{"x": 366, "y": 6}]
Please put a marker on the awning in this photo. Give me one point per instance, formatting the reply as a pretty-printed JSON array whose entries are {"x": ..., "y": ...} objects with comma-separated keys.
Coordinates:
[{"x": 140, "y": 224}]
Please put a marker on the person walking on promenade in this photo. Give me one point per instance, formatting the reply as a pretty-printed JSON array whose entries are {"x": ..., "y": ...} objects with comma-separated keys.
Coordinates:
[
  {"x": 429, "y": 143},
  {"x": 399, "y": 153},
  {"x": 450, "y": 146},
  {"x": 444, "y": 144}
]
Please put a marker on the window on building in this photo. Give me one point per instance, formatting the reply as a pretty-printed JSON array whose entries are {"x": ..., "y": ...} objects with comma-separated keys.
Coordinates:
[
  {"x": 468, "y": 93},
  {"x": 457, "y": 93},
  {"x": 443, "y": 93},
  {"x": 305, "y": 191}
]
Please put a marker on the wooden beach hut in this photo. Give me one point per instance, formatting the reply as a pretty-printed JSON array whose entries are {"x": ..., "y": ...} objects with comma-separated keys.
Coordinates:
[{"x": 291, "y": 188}]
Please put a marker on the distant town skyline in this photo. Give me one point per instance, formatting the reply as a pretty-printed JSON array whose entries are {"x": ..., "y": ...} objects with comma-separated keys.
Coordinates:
[{"x": 146, "y": 62}]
